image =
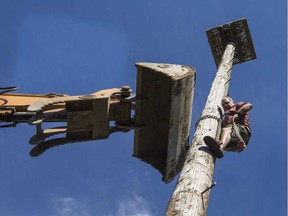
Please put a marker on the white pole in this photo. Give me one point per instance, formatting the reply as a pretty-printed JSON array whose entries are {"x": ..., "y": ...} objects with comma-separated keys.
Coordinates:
[{"x": 191, "y": 194}]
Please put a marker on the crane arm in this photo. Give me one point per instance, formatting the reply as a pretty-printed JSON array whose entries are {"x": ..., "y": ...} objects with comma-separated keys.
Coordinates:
[{"x": 86, "y": 117}]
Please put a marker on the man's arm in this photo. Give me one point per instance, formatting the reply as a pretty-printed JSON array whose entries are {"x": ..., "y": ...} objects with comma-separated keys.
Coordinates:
[{"x": 245, "y": 108}]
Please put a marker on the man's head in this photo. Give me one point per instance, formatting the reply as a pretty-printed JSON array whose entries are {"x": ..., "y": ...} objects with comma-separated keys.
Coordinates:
[{"x": 227, "y": 103}]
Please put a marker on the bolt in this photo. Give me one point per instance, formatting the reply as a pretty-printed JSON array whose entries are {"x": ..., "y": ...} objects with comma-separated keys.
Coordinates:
[{"x": 126, "y": 91}]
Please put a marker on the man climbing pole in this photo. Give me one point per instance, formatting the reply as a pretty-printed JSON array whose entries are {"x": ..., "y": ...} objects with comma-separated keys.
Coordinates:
[{"x": 235, "y": 128}]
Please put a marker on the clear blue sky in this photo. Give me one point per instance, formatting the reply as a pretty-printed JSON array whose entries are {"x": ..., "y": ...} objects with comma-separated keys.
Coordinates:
[{"x": 79, "y": 47}]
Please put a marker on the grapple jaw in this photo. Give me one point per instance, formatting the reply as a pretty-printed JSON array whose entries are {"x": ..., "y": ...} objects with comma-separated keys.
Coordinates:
[
  {"x": 162, "y": 107},
  {"x": 163, "y": 111}
]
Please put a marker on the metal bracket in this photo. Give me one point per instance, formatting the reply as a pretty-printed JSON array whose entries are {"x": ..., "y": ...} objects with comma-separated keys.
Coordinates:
[
  {"x": 213, "y": 185},
  {"x": 203, "y": 192}
]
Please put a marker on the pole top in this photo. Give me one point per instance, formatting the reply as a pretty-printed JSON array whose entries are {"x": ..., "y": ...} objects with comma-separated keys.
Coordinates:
[{"x": 236, "y": 32}]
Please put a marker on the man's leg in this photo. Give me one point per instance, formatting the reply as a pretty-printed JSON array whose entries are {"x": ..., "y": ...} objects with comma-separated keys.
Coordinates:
[
  {"x": 230, "y": 141},
  {"x": 225, "y": 136}
]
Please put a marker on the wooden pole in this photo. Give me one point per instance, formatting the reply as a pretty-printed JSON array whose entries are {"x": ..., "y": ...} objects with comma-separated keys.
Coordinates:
[{"x": 191, "y": 194}]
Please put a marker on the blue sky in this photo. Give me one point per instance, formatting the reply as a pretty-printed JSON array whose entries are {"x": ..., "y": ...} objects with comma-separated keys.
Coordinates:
[{"x": 80, "y": 47}]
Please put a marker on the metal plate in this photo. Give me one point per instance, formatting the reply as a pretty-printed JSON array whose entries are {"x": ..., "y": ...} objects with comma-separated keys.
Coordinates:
[
  {"x": 236, "y": 32},
  {"x": 88, "y": 119}
]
